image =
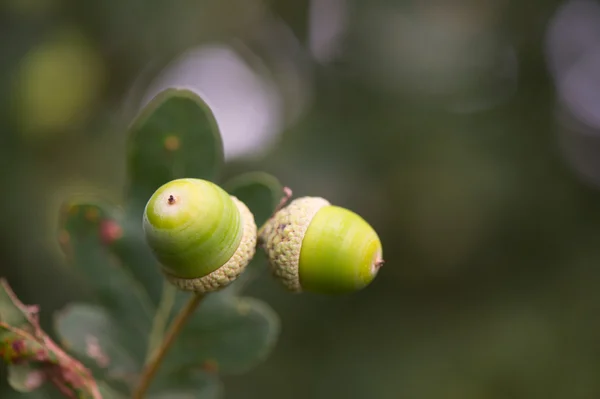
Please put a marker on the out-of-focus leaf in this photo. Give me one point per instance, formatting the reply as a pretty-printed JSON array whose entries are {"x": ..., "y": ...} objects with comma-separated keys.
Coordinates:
[
  {"x": 32, "y": 357},
  {"x": 194, "y": 385},
  {"x": 110, "y": 393},
  {"x": 227, "y": 334},
  {"x": 134, "y": 254},
  {"x": 24, "y": 377},
  {"x": 175, "y": 136},
  {"x": 45, "y": 392},
  {"x": 257, "y": 265},
  {"x": 91, "y": 334},
  {"x": 87, "y": 233},
  {"x": 12, "y": 312},
  {"x": 260, "y": 191}
]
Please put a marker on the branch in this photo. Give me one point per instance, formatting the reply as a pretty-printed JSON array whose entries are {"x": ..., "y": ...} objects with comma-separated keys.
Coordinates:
[
  {"x": 24, "y": 343},
  {"x": 154, "y": 364}
]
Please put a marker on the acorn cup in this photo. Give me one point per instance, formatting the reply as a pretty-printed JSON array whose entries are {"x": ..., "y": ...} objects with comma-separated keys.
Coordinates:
[
  {"x": 203, "y": 237},
  {"x": 317, "y": 247}
]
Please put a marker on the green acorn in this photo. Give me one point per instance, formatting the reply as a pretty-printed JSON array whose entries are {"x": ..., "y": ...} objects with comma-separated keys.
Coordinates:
[
  {"x": 314, "y": 246},
  {"x": 203, "y": 237}
]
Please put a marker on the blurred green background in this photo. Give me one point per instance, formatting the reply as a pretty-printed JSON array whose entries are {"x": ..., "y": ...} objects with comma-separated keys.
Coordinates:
[{"x": 467, "y": 132}]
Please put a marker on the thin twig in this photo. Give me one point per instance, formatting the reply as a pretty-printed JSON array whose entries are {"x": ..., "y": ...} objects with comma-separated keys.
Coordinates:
[
  {"x": 153, "y": 365},
  {"x": 161, "y": 317}
]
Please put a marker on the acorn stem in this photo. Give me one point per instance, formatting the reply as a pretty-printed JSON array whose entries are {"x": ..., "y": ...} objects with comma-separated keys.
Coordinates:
[
  {"x": 287, "y": 195},
  {"x": 153, "y": 364}
]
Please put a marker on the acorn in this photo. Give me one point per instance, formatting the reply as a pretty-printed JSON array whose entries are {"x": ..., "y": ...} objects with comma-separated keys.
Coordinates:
[
  {"x": 314, "y": 246},
  {"x": 202, "y": 237}
]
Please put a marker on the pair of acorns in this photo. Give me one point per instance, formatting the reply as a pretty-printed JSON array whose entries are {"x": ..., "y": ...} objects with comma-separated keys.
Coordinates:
[{"x": 204, "y": 238}]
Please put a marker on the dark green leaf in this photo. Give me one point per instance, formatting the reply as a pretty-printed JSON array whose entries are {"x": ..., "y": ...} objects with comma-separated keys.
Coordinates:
[
  {"x": 260, "y": 191},
  {"x": 175, "y": 136},
  {"x": 135, "y": 254},
  {"x": 91, "y": 333},
  {"x": 226, "y": 334},
  {"x": 46, "y": 392},
  {"x": 24, "y": 377},
  {"x": 257, "y": 265},
  {"x": 110, "y": 393},
  {"x": 197, "y": 385},
  {"x": 11, "y": 312},
  {"x": 87, "y": 234}
]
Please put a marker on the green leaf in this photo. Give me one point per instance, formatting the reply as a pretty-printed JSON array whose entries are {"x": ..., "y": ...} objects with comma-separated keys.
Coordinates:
[
  {"x": 110, "y": 393},
  {"x": 135, "y": 254},
  {"x": 227, "y": 334},
  {"x": 260, "y": 191},
  {"x": 87, "y": 235},
  {"x": 175, "y": 136},
  {"x": 257, "y": 265},
  {"x": 46, "y": 392},
  {"x": 24, "y": 377},
  {"x": 196, "y": 385},
  {"x": 12, "y": 311},
  {"x": 91, "y": 333}
]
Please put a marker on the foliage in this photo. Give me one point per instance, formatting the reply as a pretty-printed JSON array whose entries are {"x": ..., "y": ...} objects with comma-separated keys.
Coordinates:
[
  {"x": 489, "y": 212},
  {"x": 131, "y": 306}
]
